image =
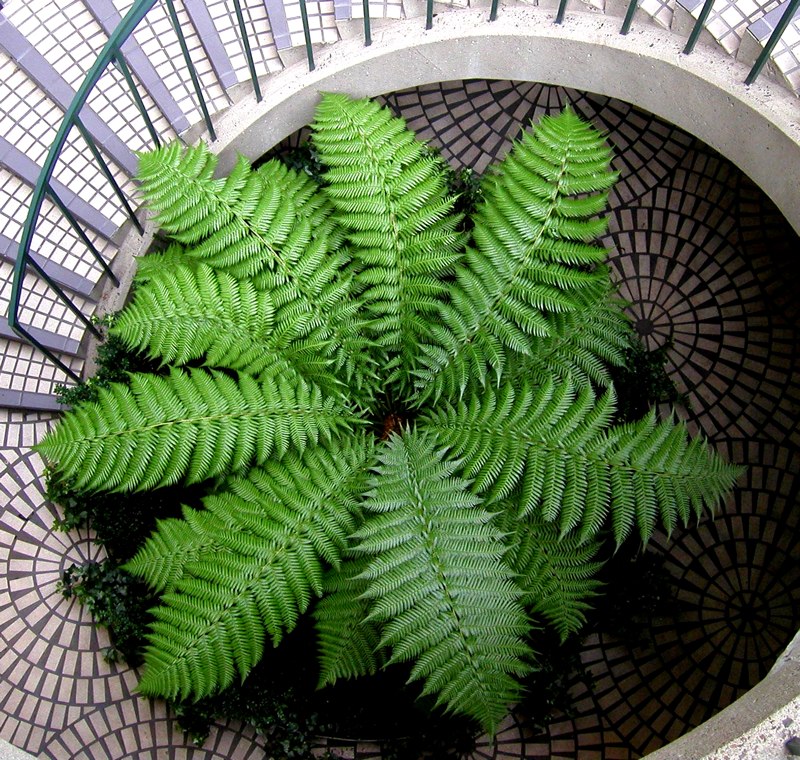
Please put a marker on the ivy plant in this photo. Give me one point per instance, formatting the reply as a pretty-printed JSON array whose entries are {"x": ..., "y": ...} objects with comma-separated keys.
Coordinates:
[{"x": 399, "y": 418}]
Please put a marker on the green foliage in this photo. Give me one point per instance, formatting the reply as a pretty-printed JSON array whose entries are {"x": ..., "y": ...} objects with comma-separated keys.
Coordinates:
[
  {"x": 295, "y": 318},
  {"x": 115, "y": 361},
  {"x": 120, "y": 522},
  {"x": 446, "y": 599},
  {"x": 390, "y": 195},
  {"x": 189, "y": 425},
  {"x": 117, "y": 601},
  {"x": 531, "y": 257},
  {"x": 642, "y": 382}
]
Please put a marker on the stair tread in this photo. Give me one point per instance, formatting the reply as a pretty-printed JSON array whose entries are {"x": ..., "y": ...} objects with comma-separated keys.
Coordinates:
[{"x": 53, "y": 341}]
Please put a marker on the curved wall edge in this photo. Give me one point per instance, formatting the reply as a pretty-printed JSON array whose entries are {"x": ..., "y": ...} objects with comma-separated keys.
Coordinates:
[{"x": 756, "y": 127}]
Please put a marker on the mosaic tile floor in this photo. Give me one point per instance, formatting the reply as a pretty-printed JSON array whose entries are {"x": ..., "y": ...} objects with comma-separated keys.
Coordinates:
[{"x": 702, "y": 257}]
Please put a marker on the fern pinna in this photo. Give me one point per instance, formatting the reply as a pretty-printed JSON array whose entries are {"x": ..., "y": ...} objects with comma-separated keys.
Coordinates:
[{"x": 411, "y": 424}]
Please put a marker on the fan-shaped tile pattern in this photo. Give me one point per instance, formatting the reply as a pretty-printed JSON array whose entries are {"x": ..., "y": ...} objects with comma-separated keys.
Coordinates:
[
  {"x": 693, "y": 261},
  {"x": 475, "y": 122},
  {"x": 134, "y": 729}
]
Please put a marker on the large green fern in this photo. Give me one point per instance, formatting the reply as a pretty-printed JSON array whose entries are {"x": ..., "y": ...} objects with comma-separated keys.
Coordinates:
[{"x": 412, "y": 423}]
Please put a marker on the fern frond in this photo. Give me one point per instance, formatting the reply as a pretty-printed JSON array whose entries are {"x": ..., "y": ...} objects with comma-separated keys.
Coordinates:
[
  {"x": 391, "y": 197},
  {"x": 156, "y": 264},
  {"x": 438, "y": 583},
  {"x": 190, "y": 425},
  {"x": 582, "y": 344},
  {"x": 160, "y": 562},
  {"x": 192, "y": 312},
  {"x": 349, "y": 643},
  {"x": 270, "y": 226},
  {"x": 552, "y": 443},
  {"x": 256, "y": 564},
  {"x": 532, "y": 258},
  {"x": 555, "y": 571}
]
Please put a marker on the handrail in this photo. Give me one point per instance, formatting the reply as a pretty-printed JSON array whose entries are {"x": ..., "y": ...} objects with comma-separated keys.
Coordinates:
[
  {"x": 111, "y": 50},
  {"x": 112, "y": 54}
]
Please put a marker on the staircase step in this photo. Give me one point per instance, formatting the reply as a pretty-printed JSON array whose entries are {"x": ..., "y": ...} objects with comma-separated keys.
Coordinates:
[
  {"x": 56, "y": 343},
  {"x": 727, "y": 23},
  {"x": 40, "y": 402},
  {"x": 784, "y": 63},
  {"x": 64, "y": 277},
  {"x": 660, "y": 12},
  {"x": 27, "y": 377}
]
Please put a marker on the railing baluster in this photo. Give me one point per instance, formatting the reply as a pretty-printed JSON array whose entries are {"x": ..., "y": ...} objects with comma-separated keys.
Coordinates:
[
  {"x": 626, "y": 24},
  {"x": 562, "y": 9},
  {"x": 24, "y": 260},
  {"x": 23, "y": 333},
  {"x": 198, "y": 90},
  {"x": 367, "y": 31},
  {"x": 698, "y": 27},
  {"x": 119, "y": 61},
  {"x": 109, "y": 176},
  {"x": 54, "y": 197},
  {"x": 65, "y": 298},
  {"x": 777, "y": 32},
  {"x": 248, "y": 53},
  {"x": 429, "y": 15},
  {"x": 493, "y": 11},
  {"x": 307, "y": 35}
]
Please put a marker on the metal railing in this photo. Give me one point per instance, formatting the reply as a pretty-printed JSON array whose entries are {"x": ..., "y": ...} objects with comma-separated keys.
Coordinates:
[{"x": 112, "y": 54}]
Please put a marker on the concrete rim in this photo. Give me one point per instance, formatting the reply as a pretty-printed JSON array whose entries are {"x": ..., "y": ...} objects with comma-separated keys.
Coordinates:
[{"x": 756, "y": 127}]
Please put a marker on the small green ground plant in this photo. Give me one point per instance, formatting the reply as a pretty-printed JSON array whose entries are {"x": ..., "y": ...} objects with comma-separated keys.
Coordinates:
[{"x": 401, "y": 422}]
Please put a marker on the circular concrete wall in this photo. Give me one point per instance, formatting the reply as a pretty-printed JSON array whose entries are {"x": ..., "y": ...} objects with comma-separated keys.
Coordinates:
[{"x": 756, "y": 127}]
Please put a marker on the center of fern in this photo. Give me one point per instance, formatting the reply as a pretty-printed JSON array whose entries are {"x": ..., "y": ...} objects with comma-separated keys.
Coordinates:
[{"x": 393, "y": 423}]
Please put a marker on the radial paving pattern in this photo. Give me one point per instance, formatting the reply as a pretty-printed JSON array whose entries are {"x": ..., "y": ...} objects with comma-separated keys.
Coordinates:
[{"x": 705, "y": 262}]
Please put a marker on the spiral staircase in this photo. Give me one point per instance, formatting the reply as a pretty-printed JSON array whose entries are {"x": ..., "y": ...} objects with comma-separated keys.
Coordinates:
[{"x": 701, "y": 251}]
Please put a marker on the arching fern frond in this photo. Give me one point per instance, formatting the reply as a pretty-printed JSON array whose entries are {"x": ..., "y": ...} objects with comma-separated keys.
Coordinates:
[
  {"x": 348, "y": 642},
  {"x": 552, "y": 444},
  {"x": 531, "y": 258},
  {"x": 257, "y": 562},
  {"x": 438, "y": 583},
  {"x": 188, "y": 426},
  {"x": 391, "y": 197},
  {"x": 555, "y": 572},
  {"x": 583, "y": 343},
  {"x": 157, "y": 263},
  {"x": 161, "y": 561},
  {"x": 192, "y": 312},
  {"x": 268, "y": 225}
]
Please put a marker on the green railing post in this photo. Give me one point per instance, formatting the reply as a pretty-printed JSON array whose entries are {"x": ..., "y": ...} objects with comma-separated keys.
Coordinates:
[
  {"x": 63, "y": 296},
  {"x": 698, "y": 27},
  {"x": 119, "y": 61},
  {"x": 562, "y": 9},
  {"x": 248, "y": 53},
  {"x": 626, "y": 24},
  {"x": 198, "y": 90},
  {"x": 23, "y": 333},
  {"x": 493, "y": 11},
  {"x": 307, "y": 35},
  {"x": 367, "y": 32},
  {"x": 98, "y": 156},
  {"x": 429, "y": 15},
  {"x": 777, "y": 33},
  {"x": 79, "y": 231}
]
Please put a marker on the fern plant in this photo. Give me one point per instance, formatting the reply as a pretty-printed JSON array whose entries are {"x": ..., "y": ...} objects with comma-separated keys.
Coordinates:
[{"x": 402, "y": 425}]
